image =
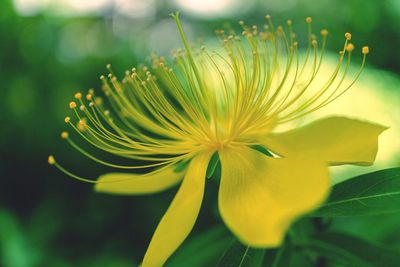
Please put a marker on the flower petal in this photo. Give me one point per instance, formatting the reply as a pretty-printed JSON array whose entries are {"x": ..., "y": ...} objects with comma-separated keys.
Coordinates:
[
  {"x": 128, "y": 183},
  {"x": 337, "y": 140},
  {"x": 181, "y": 215},
  {"x": 260, "y": 196}
]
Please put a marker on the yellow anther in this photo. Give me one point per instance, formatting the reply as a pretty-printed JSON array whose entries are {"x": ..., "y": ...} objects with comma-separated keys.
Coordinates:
[
  {"x": 314, "y": 43},
  {"x": 308, "y": 19},
  {"x": 82, "y": 122},
  {"x": 241, "y": 22},
  {"x": 99, "y": 101},
  {"x": 349, "y": 47},
  {"x": 324, "y": 32},
  {"x": 268, "y": 17},
  {"x": 295, "y": 44},
  {"x": 289, "y": 22},
  {"x": 108, "y": 66},
  {"x": 365, "y": 50},
  {"x": 72, "y": 105},
  {"x": 107, "y": 112},
  {"x": 64, "y": 135},
  {"x": 67, "y": 119},
  {"x": 91, "y": 91},
  {"x": 82, "y": 107},
  {"x": 347, "y": 35},
  {"x": 102, "y": 77},
  {"x": 89, "y": 97},
  {"x": 51, "y": 160},
  {"x": 78, "y": 95}
]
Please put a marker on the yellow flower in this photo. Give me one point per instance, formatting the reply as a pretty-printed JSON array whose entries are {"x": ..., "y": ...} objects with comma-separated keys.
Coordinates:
[{"x": 174, "y": 119}]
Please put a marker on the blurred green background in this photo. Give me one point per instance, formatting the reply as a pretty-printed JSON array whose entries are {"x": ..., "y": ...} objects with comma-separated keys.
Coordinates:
[{"x": 50, "y": 49}]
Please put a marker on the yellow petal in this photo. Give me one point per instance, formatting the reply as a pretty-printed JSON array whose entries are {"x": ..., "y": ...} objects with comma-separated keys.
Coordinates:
[
  {"x": 337, "y": 140},
  {"x": 135, "y": 184},
  {"x": 261, "y": 196},
  {"x": 181, "y": 215}
]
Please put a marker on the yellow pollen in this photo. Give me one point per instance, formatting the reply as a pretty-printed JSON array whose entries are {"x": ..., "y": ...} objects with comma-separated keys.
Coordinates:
[
  {"x": 67, "y": 119},
  {"x": 308, "y": 19},
  {"x": 78, "y": 95},
  {"x": 64, "y": 135},
  {"x": 347, "y": 35},
  {"x": 89, "y": 97},
  {"x": 72, "y": 105},
  {"x": 324, "y": 32},
  {"x": 51, "y": 160},
  {"x": 365, "y": 50},
  {"x": 82, "y": 107},
  {"x": 99, "y": 101},
  {"x": 289, "y": 22},
  {"x": 349, "y": 47}
]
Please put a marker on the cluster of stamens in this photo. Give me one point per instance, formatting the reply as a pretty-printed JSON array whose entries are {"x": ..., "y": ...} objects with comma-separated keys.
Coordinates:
[{"x": 162, "y": 115}]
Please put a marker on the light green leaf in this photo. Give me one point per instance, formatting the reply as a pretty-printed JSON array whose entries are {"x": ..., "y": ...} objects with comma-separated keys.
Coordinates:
[
  {"x": 369, "y": 194},
  {"x": 238, "y": 255},
  {"x": 349, "y": 250},
  {"x": 204, "y": 249}
]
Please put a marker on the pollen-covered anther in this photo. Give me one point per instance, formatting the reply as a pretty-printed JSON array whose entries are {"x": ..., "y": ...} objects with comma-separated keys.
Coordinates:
[
  {"x": 82, "y": 107},
  {"x": 324, "y": 32},
  {"x": 108, "y": 66},
  {"x": 107, "y": 113},
  {"x": 365, "y": 50},
  {"x": 314, "y": 43},
  {"x": 99, "y": 101},
  {"x": 89, "y": 97},
  {"x": 91, "y": 104},
  {"x": 289, "y": 22},
  {"x": 347, "y": 35},
  {"x": 78, "y": 95},
  {"x": 64, "y": 135},
  {"x": 268, "y": 17},
  {"x": 72, "y": 104},
  {"x": 102, "y": 77},
  {"x": 67, "y": 119},
  {"x": 308, "y": 19},
  {"x": 241, "y": 22},
  {"x": 349, "y": 47},
  {"x": 51, "y": 160}
]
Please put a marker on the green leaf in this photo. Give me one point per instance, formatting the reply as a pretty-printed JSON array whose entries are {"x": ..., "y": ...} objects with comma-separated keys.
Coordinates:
[
  {"x": 204, "y": 249},
  {"x": 238, "y": 255},
  {"x": 349, "y": 250},
  {"x": 368, "y": 194}
]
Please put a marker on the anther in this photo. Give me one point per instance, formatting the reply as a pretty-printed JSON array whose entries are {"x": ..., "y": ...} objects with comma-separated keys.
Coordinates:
[
  {"x": 89, "y": 97},
  {"x": 78, "y": 95},
  {"x": 324, "y": 32},
  {"x": 82, "y": 107},
  {"x": 51, "y": 160},
  {"x": 72, "y": 105},
  {"x": 268, "y": 17},
  {"x": 108, "y": 66},
  {"x": 365, "y": 50},
  {"x": 91, "y": 104},
  {"x": 308, "y": 19},
  {"x": 347, "y": 35},
  {"x": 102, "y": 77},
  {"x": 64, "y": 135},
  {"x": 241, "y": 22},
  {"x": 107, "y": 112},
  {"x": 99, "y": 101},
  {"x": 314, "y": 43},
  {"x": 289, "y": 22},
  {"x": 349, "y": 47},
  {"x": 91, "y": 91},
  {"x": 67, "y": 119}
]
